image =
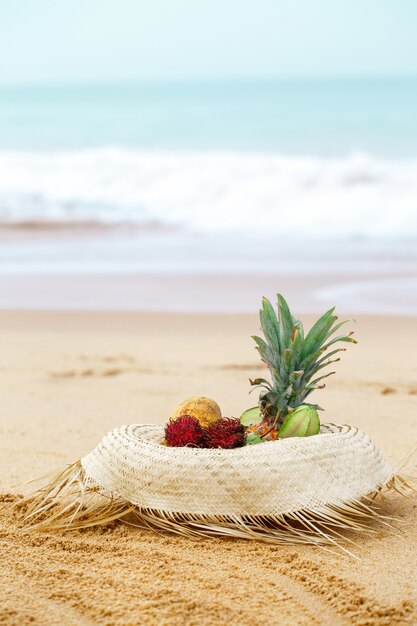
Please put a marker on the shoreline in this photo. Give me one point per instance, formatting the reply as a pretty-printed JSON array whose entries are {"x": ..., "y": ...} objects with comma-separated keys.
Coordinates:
[
  {"x": 180, "y": 271},
  {"x": 208, "y": 292}
]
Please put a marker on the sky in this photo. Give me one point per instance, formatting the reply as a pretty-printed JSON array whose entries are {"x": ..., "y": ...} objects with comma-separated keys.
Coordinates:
[{"x": 132, "y": 40}]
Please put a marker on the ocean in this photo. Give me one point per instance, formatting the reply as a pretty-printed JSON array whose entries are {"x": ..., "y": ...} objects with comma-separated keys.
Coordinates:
[{"x": 243, "y": 177}]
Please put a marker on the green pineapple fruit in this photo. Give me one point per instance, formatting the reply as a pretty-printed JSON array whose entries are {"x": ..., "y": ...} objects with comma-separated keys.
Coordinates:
[{"x": 293, "y": 361}]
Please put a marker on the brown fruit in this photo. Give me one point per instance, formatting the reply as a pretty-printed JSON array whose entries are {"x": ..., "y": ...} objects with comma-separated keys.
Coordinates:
[{"x": 205, "y": 410}]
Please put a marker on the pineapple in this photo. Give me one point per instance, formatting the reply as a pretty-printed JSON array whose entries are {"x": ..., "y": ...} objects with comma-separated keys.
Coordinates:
[{"x": 293, "y": 361}]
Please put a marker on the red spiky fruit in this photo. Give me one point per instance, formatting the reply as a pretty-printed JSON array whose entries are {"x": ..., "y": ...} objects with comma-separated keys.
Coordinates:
[
  {"x": 226, "y": 433},
  {"x": 184, "y": 431}
]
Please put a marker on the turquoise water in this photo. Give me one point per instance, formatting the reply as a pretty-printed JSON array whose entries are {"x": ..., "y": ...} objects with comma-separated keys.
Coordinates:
[
  {"x": 326, "y": 118},
  {"x": 284, "y": 178},
  {"x": 331, "y": 158}
]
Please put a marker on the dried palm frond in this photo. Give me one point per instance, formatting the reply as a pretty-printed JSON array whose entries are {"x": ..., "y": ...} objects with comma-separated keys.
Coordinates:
[{"x": 326, "y": 488}]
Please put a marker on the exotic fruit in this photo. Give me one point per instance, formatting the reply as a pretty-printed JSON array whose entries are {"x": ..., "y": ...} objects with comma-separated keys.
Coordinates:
[
  {"x": 225, "y": 433},
  {"x": 184, "y": 431},
  {"x": 294, "y": 361},
  {"x": 302, "y": 422},
  {"x": 205, "y": 410}
]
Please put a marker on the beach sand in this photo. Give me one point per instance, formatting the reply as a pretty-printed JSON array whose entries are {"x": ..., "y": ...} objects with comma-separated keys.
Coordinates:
[{"x": 67, "y": 378}]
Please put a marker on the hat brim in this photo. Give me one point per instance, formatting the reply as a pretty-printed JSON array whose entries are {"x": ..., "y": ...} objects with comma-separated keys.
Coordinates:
[
  {"x": 296, "y": 490},
  {"x": 274, "y": 478}
]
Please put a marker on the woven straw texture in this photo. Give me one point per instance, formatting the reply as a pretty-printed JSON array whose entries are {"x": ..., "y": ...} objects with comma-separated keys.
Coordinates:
[{"x": 339, "y": 465}]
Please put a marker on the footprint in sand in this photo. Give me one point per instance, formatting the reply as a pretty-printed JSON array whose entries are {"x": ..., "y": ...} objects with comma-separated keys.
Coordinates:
[
  {"x": 117, "y": 365},
  {"x": 381, "y": 388},
  {"x": 113, "y": 358},
  {"x": 98, "y": 373},
  {"x": 387, "y": 391},
  {"x": 237, "y": 367}
]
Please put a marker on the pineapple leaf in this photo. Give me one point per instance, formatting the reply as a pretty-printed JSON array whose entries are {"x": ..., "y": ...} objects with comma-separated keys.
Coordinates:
[
  {"x": 286, "y": 322},
  {"x": 320, "y": 363},
  {"x": 296, "y": 375},
  {"x": 314, "y": 406},
  {"x": 318, "y": 333},
  {"x": 264, "y": 350},
  {"x": 337, "y": 326},
  {"x": 314, "y": 370},
  {"x": 329, "y": 355},
  {"x": 278, "y": 381},
  {"x": 300, "y": 327},
  {"x": 296, "y": 342},
  {"x": 260, "y": 382},
  {"x": 286, "y": 363},
  {"x": 345, "y": 338},
  {"x": 269, "y": 325},
  {"x": 310, "y": 361},
  {"x": 307, "y": 391},
  {"x": 316, "y": 380}
]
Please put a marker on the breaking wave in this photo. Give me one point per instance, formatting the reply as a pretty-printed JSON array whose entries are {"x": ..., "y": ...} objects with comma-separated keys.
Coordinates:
[{"x": 354, "y": 196}]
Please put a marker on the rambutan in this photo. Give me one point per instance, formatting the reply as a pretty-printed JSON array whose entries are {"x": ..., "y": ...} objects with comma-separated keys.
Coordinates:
[
  {"x": 226, "y": 433},
  {"x": 184, "y": 431}
]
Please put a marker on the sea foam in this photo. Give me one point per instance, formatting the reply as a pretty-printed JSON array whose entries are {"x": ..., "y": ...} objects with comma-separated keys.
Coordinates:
[{"x": 207, "y": 191}]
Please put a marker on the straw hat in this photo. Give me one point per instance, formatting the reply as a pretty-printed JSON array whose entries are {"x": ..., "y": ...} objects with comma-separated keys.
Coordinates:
[{"x": 301, "y": 489}]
